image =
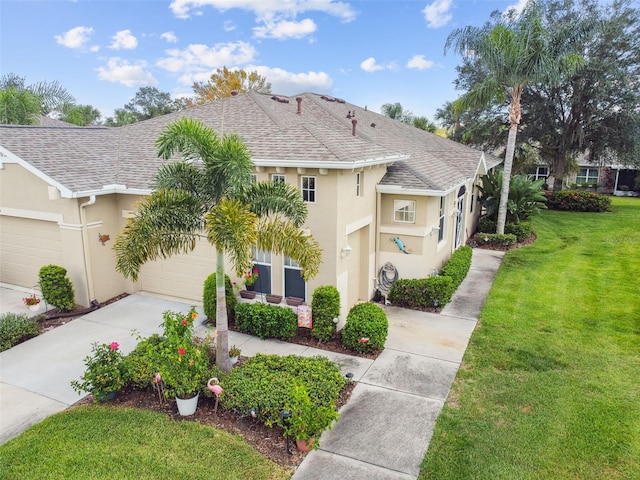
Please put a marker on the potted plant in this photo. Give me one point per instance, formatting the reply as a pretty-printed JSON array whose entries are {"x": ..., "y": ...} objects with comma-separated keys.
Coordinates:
[
  {"x": 104, "y": 375},
  {"x": 307, "y": 420},
  {"x": 249, "y": 279},
  {"x": 234, "y": 353},
  {"x": 184, "y": 363},
  {"x": 32, "y": 302}
]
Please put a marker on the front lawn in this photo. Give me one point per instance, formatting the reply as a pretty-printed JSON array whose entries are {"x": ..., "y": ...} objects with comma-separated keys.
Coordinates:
[
  {"x": 550, "y": 383},
  {"x": 102, "y": 442}
]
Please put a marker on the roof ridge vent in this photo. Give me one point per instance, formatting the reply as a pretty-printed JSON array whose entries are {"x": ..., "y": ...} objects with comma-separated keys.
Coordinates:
[{"x": 280, "y": 99}]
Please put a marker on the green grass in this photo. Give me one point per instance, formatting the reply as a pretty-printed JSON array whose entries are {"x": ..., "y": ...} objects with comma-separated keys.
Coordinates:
[
  {"x": 101, "y": 442},
  {"x": 550, "y": 384}
]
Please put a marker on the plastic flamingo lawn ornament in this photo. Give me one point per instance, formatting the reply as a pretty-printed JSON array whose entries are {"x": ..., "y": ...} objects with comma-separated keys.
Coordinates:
[{"x": 214, "y": 386}]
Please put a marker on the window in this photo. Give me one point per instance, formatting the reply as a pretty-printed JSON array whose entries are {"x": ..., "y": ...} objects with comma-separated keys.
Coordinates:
[
  {"x": 587, "y": 175},
  {"x": 294, "y": 284},
  {"x": 541, "y": 172},
  {"x": 277, "y": 178},
  {"x": 404, "y": 211},
  {"x": 254, "y": 178},
  {"x": 308, "y": 189},
  {"x": 441, "y": 222},
  {"x": 473, "y": 199},
  {"x": 262, "y": 263},
  {"x": 358, "y": 184}
]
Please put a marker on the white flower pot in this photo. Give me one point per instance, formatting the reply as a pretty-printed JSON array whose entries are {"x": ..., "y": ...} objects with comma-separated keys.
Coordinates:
[
  {"x": 35, "y": 308},
  {"x": 187, "y": 406}
]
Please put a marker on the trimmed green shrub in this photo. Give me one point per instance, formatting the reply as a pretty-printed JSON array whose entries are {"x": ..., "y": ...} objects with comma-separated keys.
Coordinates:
[
  {"x": 266, "y": 321},
  {"x": 458, "y": 265},
  {"x": 265, "y": 383},
  {"x": 421, "y": 293},
  {"x": 325, "y": 306},
  {"x": 521, "y": 230},
  {"x": 495, "y": 239},
  {"x": 57, "y": 289},
  {"x": 142, "y": 364},
  {"x": 16, "y": 328},
  {"x": 210, "y": 302},
  {"x": 366, "y": 328},
  {"x": 578, "y": 201}
]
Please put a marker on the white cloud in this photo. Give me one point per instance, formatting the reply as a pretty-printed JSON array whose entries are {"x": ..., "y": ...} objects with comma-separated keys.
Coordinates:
[
  {"x": 286, "y": 29},
  {"x": 229, "y": 26},
  {"x": 75, "y": 38},
  {"x": 370, "y": 65},
  {"x": 418, "y": 62},
  {"x": 437, "y": 13},
  {"x": 267, "y": 8},
  {"x": 518, "y": 7},
  {"x": 123, "y": 40},
  {"x": 129, "y": 74},
  {"x": 289, "y": 83},
  {"x": 198, "y": 58},
  {"x": 169, "y": 37}
]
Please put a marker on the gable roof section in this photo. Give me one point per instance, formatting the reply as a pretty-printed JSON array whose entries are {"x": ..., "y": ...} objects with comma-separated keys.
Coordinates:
[{"x": 95, "y": 160}]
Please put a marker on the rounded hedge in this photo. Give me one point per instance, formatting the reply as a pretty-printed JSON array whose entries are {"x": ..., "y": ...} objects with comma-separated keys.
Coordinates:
[
  {"x": 325, "y": 306},
  {"x": 366, "y": 328},
  {"x": 57, "y": 289},
  {"x": 210, "y": 302}
]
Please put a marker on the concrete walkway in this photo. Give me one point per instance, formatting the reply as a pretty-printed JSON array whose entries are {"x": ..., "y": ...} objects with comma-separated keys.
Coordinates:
[{"x": 385, "y": 428}]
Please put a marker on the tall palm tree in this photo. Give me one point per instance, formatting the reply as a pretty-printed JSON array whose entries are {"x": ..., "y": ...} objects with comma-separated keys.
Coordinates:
[
  {"x": 209, "y": 194},
  {"x": 516, "y": 51}
]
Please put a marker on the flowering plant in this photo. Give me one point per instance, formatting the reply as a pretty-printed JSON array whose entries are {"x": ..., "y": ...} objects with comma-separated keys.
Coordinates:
[
  {"x": 250, "y": 277},
  {"x": 31, "y": 300},
  {"x": 104, "y": 374},
  {"x": 184, "y": 363}
]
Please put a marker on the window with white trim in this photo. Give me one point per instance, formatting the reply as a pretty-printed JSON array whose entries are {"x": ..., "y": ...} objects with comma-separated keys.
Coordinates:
[
  {"x": 441, "y": 221},
  {"x": 278, "y": 178},
  {"x": 308, "y": 188},
  {"x": 587, "y": 175},
  {"x": 358, "y": 184},
  {"x": 404, "y": 211}
]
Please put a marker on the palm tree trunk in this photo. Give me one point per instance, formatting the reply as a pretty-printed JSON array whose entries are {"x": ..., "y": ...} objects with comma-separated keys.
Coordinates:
[
  {"x": 558, "y": 174},
  {"x": 222, "y": 321},
  {"x": 506, "y": 179}
]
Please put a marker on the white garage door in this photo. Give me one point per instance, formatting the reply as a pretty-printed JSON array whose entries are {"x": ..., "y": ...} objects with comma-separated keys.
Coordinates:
[
  {"x": 180, "y": 276},
  {"x": 25, "y": 246}
]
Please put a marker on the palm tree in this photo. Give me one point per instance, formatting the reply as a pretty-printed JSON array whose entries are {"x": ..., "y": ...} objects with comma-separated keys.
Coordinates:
[
  {"x": 209, "y": 194},
  {"x": 516, "y": 51}
]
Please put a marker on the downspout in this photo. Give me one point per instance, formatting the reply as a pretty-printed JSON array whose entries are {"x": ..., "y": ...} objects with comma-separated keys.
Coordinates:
[{"x": 85, "y": 247}]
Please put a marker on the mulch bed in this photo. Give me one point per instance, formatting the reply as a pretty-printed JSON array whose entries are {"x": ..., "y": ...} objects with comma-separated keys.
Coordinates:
[
  {"x": 527, "y": 241},
  {"x": 269, "y": 442}
]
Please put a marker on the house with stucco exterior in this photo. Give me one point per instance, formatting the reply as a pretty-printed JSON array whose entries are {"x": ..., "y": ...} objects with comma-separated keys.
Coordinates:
[{"x": 385, "y": 199}]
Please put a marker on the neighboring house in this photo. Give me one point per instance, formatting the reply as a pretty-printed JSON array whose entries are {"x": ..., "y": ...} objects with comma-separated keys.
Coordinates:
[
  {"x": 605, "y": 177},
  {"x": 373, "y": 186}
]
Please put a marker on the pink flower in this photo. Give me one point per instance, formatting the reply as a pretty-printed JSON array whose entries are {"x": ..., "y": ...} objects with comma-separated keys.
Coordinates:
[
  {"x": 184, "y": 322},
  {"x": 364, "y": 340},
  {"x": 182, "y": 351},
  {"x": 158, "y": 378},
  {"x": 114, "y": 345}
]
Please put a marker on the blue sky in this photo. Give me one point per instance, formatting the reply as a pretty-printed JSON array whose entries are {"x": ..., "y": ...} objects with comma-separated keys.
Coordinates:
[{"x": 366, "y": 52}]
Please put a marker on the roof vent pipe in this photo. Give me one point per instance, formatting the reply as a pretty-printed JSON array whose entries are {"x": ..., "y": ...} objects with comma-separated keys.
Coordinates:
[
  {"x": 299, "y": 100},
  {"x": 354, "y": 122}
]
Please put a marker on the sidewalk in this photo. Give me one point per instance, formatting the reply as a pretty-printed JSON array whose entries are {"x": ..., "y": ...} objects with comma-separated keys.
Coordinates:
[{"x": 385, "y": 428}]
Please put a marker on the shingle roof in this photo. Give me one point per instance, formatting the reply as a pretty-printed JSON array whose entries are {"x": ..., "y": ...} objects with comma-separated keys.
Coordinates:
[{"x": 88, "y": 158}]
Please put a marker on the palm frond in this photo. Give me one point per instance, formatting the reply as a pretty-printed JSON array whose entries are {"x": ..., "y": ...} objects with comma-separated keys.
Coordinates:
[
  {"x": 268, "y": 198},
  {"x": 189, "y": 138},
  {"x": 232, "y": 227},
  {"x": 230, "y": 167},
  {"x": 166, "y": 223},
  {"x": 283, "y": 237}
]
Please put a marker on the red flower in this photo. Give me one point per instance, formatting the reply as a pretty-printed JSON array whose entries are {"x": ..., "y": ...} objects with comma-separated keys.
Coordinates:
[
  {"x": 114, "y": 345},
  {"x": 363, "y": 340},
  {"x": 184, "y": 322},
  {"x": 182, "y": 351}
]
